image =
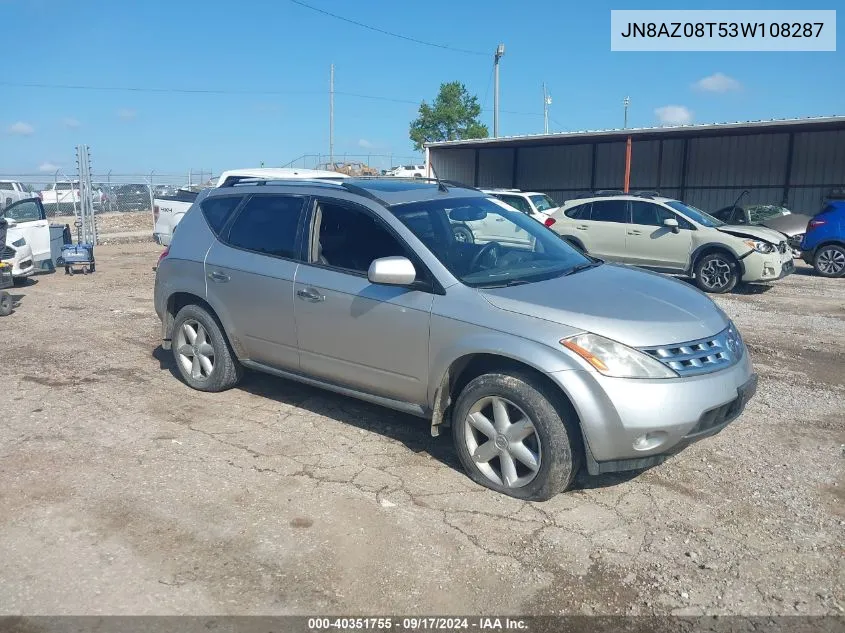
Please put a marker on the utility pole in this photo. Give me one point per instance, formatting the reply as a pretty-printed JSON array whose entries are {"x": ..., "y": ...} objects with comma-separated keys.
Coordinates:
[
  {"x": 500, "y": 51},
  {"x": 547, "y": 101},
  {"x": 331, "y": 117},
  {"x": 626, "y": 102}
]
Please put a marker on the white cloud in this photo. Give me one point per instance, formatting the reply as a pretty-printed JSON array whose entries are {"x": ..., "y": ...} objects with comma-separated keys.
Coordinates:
[
  {"x": 48, "y": 167},
  {"x": 718, "y": 82},
  {"x": 365, "y": 144},
  {"x": 70, "y": 122},
  {"x": 21, "y": 129},
  {"x": 127, "y": 114},
  {"x": 673, "y": 115}
]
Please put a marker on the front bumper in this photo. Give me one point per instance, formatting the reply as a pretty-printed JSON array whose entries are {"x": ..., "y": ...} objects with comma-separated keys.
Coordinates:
[
  {"x": 767, "y": 267},
  {"x": 635, "y": 423}
]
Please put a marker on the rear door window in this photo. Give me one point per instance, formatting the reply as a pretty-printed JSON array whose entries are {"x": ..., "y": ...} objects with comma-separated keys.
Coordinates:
[
  {"x": 26, "y": 211},
  {"x": 269, "y": 224},
  {"x": 610, "y": 211}
]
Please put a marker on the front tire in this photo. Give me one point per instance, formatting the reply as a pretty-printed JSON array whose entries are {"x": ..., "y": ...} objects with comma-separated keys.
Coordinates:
[
  {"x": 514, "y": 435},
  {"x": 830, "y": 261},
  {"x": 716, "y": 273},
  {"x": 202, "y": 354}
]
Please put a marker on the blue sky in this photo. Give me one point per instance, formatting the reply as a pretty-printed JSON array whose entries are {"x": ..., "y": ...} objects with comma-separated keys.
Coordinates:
[{"x": 280, "y": 47}]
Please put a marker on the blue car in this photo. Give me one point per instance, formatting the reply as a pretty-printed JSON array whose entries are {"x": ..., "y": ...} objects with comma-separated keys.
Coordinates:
[{"x": 823, "y": 245}]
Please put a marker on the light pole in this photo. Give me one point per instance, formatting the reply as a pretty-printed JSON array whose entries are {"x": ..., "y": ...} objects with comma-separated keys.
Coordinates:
[
  {"x": 500, "y": 51},
  {"x": 331, "y": 117},
  {"x": 626, "y": 102},
  {"x": 547, "y": 101}
]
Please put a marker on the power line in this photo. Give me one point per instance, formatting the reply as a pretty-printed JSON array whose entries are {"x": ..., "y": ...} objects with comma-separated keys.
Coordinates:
[
  {"x": 216, "y": 91},
  {"x": 159, "y": 90},
  {"x": 390, "y": 33}
]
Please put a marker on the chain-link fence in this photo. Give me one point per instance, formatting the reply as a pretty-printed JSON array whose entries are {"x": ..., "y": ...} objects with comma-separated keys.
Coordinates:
[
  {"x": 112, "y": 192},
  {"x": 355, "y": 164},
  {"x": 120, "y": 192}
]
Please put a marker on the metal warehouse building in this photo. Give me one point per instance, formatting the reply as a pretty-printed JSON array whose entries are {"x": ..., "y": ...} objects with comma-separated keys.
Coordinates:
[{"x": 790, "y": 162}]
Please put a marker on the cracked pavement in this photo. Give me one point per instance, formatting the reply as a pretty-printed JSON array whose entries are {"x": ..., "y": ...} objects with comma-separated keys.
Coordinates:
[{"x": 125, "y": 492}]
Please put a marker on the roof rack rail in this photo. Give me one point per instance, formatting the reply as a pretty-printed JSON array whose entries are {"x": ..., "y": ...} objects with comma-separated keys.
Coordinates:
[
  {"x": 608, "y": 192},
  {"x": 646, "y": 194},
  {"x": 253, "y": 180},
  {"x": 836, "y": 194}
]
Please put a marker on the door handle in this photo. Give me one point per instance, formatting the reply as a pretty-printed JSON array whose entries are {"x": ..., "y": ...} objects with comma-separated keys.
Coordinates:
[
  {"x": 634, "y": 233},
  {"x": 581, "y": 228},
  {"x": 309, "y": 294},
  {"x": 500, "y": 219},
  {"x": 216, "y": 275}
]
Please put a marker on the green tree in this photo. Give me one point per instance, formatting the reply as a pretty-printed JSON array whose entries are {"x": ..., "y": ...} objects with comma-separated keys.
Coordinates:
[{"x": 452, "y": 116}]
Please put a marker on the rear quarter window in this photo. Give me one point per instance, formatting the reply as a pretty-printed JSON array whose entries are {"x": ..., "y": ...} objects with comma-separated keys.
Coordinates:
[
  {"x": 218, "y": 210},
  {"x": 581, "y": 212}
]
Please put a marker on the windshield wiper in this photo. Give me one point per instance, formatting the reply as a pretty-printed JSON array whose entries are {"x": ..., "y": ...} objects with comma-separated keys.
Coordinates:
[
  {"x": 580, "y": 267},
  {"x": 508, "y": 284}
]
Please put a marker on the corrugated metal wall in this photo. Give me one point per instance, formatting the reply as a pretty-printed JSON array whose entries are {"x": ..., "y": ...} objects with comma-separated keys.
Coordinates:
[{"x": 718, "y": 168}]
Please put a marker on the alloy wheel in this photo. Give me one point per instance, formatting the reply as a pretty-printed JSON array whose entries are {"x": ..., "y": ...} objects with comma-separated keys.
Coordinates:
[
  {"x": 195, "y": 353},
  {"x": 503, "y": 442},
  {"x": 716, "y": 273},
  {"x": 831, "y": 261}
]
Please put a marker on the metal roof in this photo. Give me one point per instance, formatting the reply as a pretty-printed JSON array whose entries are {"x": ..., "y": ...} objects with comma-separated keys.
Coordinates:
[{"x": 646, "y": 133}]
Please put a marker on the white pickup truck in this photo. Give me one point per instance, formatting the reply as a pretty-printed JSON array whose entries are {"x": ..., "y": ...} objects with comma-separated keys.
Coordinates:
[
  {"x": 169, "y": 210},
  {"x": 13, "y": 191}
]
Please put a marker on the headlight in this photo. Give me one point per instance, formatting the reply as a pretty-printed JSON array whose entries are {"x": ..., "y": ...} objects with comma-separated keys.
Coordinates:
[
  {"x": 19, "y": 243},
  {"x": 760, "y": 246},
  {"x": 733, "y": 332},
  {"x": 614, "y": 359}
]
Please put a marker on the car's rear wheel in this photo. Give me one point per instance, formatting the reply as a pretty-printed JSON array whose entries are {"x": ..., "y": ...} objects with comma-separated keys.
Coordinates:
[
  {"x": 201, "y": 351},
  {"x": 716, "y": 273},
  {"x": 463, "y": 235},
  {"x": 5, "y": 304},
  {"x": 513, "y": 435},
  {"x": 830, "y": 261}
]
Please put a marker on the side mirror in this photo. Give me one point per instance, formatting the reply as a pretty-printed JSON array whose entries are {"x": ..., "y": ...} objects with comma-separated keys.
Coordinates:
[
  {"x": 672, "y": 223},
  {"x": 11, "y": 223},
  {"x": 392, "y": 271}
]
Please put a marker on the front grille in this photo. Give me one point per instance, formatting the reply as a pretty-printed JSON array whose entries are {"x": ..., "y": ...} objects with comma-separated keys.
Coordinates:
[
  {"x": 701, "y": 356},
  {"x": 7, "y": 253}
]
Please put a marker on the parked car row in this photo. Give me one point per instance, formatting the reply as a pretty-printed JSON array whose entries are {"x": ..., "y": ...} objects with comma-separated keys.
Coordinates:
[{"x": 735, "y": 244}]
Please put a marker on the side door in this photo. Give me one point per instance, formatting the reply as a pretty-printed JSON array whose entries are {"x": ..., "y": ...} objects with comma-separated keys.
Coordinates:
[
  {"x": 250, "y": 271},
  {"x": 603, "y": 234},
  {"x": 353, "y": 333},
  {"x": 32, "y": 220},
  {"x": 650, "y": 244}
]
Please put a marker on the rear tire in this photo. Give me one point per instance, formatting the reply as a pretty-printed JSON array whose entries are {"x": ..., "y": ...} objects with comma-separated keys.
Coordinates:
[
  {"x": 202, "y": 353},
  {"x": 829, "y": 261},
  {"x": 716, "y": 273},
  {"x": 463, "y": 235},
  {"x": 533, "y": 451},
  {"x": 5, "y": 304}
]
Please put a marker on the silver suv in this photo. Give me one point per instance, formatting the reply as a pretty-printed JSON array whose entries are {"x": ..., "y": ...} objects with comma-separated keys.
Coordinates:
[
  {"x": 540, "y": 358},
  {"x": 668, "y": 236}
]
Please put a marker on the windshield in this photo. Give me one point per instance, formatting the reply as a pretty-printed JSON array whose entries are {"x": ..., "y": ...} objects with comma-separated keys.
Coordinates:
[
  {"x": 696, "y": 215},
  {"x": 543, "y": 202},
  {"x": 761, "y": 212},
  {"x": 485, "y": 243}
]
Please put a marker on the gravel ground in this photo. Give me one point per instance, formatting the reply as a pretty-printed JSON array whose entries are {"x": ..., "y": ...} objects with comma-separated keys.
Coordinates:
[{"x": 124, "y": 492}]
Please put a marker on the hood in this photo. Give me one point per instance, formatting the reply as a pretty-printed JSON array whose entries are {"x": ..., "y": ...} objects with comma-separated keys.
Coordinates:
[
  {"x": 628, "y": 305},
  {"x": 754, "y": 232},
  {"x": 791, "y": 224}
]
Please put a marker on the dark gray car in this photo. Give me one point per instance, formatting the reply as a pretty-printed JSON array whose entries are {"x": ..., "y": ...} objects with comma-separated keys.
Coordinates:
[{"x": 540, "y": 358}]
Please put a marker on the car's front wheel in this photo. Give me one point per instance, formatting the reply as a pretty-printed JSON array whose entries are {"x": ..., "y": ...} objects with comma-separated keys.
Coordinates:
[
  {"x": 716, "y": 273},
  {"x": 201, "y": 351},
  {"x": 515, "y": 435},
  {"x": 830, "y": 261}
]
